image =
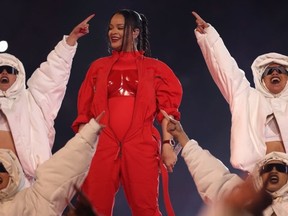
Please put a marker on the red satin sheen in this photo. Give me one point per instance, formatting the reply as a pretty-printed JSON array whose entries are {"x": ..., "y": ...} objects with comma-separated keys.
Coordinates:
[{"x": 122, "y": 83}]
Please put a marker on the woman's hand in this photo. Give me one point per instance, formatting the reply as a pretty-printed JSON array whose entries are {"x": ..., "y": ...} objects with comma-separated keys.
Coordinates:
[{"x": 169, "y": 157}]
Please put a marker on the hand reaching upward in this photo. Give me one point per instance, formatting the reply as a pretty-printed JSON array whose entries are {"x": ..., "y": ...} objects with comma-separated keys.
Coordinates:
[
  {"x": 79, "y": 31},
  {"x": 201, "y": 24}
]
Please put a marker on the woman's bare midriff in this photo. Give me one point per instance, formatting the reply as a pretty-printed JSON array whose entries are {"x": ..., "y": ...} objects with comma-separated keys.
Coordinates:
[
  {"x": 6, "y": 140},
  {"x": 275, "y": 146}
]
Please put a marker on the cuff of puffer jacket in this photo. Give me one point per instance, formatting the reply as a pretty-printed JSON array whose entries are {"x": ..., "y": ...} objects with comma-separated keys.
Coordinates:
[
  {"x": 190, "y": 146},
  {"x": 211, "y": 34},
  {"x": 67, "y": 46},
  {"x": 65, "y": 51},
  {"x": 90, "y": 132}
]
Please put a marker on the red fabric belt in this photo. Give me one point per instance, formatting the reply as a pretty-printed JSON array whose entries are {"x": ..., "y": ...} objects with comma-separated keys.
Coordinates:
[{"x": 165, "y": 186}]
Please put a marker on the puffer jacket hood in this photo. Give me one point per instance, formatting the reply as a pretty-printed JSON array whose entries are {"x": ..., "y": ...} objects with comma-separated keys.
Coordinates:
[
  {"x": 13, "y": 167},
  {"x": 258, "y": 67},
  {"x": 19, "y": 85},
  {"x": 279, "y": 156}
]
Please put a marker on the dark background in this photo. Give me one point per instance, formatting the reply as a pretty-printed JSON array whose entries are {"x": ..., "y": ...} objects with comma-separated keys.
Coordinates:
[{"x": 32, "y": 29}]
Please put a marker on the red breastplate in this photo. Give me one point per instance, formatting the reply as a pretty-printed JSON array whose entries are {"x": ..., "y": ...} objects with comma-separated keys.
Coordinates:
[{"x": 122, "y": 83}]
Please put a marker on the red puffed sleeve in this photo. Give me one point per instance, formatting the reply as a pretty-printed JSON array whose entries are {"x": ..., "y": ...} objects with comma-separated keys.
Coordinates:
[
  {"x": 84, "y": 102},
  {"x": 168, "y": 91}
]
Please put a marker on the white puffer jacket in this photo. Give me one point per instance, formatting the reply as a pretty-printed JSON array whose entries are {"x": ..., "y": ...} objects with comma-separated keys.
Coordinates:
[
  {"x": 55, "y": 178},
  {"x": 31, "y": 111},
  {"x": 249, "y": 106}
]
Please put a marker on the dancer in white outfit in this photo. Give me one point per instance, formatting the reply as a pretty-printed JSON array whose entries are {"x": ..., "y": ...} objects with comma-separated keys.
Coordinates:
[
  {"x": 260, "y": 114},
  {"x": 27, "y": 114}
]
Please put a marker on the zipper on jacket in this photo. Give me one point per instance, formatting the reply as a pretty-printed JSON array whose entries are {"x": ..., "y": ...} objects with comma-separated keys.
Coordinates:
[
  {"x": 119, "y": 152},
  {"x": 120, "y": 149}
]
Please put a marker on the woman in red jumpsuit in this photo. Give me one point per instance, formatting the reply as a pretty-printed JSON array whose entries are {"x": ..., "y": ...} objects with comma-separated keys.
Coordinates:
[{"x": 131, "y": 88}]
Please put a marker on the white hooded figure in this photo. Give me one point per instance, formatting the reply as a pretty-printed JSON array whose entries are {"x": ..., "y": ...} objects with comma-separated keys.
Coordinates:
[
  {"x": 277, "y": 181},
  {"x": 259, "y": 115},
  {"x": 56, "y": 178},
  {"x": 27, "y": 113}
]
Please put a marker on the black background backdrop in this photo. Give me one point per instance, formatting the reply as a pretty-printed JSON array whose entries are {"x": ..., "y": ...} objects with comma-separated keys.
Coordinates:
[{"x": 32, "y": 29}]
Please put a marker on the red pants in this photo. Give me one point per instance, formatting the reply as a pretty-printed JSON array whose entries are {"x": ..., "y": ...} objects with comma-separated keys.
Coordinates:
[
  {"x": 133, "y": 164},
  {"x": 136, "y": 169}
]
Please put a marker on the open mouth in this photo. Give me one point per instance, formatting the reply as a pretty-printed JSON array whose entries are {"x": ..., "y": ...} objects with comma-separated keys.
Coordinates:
[
  {"x": 114, "y": 39},
  {"x": 275, "y": 80},
  {"x": 4, "y": 80},
  {"x": 273, "y": 179}
]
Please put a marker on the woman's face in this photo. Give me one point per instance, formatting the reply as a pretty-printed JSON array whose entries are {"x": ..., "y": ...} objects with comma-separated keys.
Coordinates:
[
  {"x": 275, "y": 81},
  {"x": 117, "y": 37},
  {"x": 116, "y": 31}
]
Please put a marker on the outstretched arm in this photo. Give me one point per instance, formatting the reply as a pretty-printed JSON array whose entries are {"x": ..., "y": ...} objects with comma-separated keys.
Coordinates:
[
  {"x": 236, "y": 90},
  {"x": 48, "y": 83},
  {"x": 212, "y": 178},
  {"x": 224, "y": 70},
  {"x": 56, "y": 178}
]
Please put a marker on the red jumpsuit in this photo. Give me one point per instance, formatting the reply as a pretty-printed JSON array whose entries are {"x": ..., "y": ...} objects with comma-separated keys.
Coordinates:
[{"x": 131, "y": 89}]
